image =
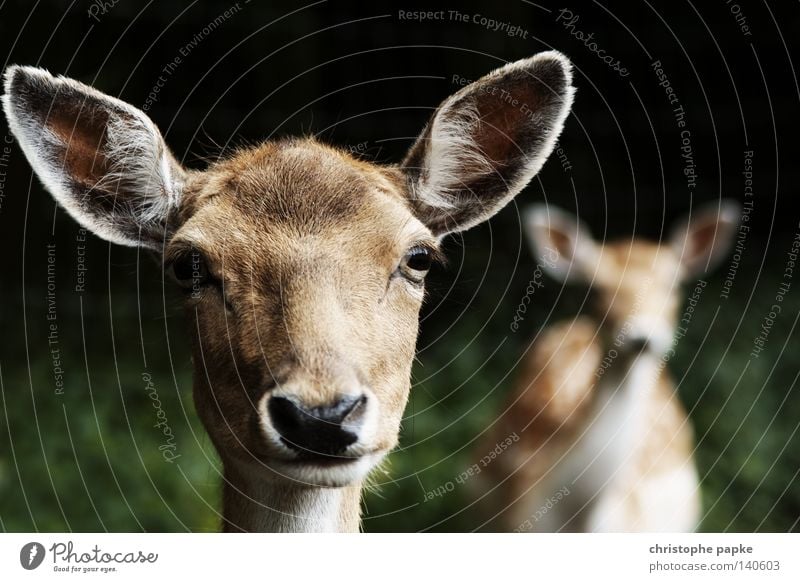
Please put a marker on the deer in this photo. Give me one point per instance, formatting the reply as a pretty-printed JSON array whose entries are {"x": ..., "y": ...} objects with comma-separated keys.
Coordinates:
[
  {"x": 599, "y": 440},
  {"x": 302, "y": 267}
]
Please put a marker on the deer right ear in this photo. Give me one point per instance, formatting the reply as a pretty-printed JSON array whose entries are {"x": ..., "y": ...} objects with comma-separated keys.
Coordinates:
[
  {"x": 484, "y": 143},
  {"x": 103, "y": 160},
  {"x": 562, "y": 245},
  {"x": 704, "y": 237}
]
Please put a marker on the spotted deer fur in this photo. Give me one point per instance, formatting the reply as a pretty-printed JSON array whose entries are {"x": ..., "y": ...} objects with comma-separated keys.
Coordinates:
[{"x": 604, "y": 442}]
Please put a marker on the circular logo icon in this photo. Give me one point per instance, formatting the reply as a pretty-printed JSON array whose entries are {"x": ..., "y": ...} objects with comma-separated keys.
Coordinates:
[{"x": 31, "y": 555}]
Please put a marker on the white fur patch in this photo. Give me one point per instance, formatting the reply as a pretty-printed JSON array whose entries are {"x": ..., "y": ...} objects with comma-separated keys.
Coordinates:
[
  {"x": 141, "y": 168},
  {"x": 601, "y": 454},
  {"x": 450, "y": 150}
]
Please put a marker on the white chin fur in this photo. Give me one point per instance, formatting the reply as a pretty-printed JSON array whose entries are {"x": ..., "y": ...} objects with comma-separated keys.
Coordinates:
[{"x": 308, "y": 473}]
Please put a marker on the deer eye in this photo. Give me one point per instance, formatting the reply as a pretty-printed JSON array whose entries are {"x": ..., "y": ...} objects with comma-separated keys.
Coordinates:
[
  {"x": 190, "y": 270},
  {"x": 416, "y": 263}
]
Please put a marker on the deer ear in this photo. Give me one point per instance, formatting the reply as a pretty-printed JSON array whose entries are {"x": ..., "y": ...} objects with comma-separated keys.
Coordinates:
[
  {"x": 704, "y": 237},
  {"x": 103, "y": 160},
  {"x": 563, "y": 246},
  {"x": 484, "y": 143}
]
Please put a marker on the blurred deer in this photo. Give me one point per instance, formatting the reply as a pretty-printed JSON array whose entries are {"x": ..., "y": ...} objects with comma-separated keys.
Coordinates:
[
  {"x": 303, "y": 268},
  {"x": 604, "y": 443}
]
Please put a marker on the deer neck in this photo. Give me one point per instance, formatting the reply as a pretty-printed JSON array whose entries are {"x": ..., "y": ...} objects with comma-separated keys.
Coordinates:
[
  {"x": 625, "y": 390},
  {"x": 617, "y": 416},
  {"x": 253, "y": 504}
]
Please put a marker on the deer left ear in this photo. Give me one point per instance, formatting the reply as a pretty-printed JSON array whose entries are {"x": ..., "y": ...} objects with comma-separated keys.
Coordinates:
[{"x": 484, "y": 143}]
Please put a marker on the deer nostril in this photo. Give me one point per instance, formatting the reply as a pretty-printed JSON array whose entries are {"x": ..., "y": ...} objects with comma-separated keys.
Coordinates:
[
  {"x": 350, "y": 409},
  {"x": 285, "y": 414},
  {"x": 339, "y": 411},
  {"x": 319, "y": 430}
]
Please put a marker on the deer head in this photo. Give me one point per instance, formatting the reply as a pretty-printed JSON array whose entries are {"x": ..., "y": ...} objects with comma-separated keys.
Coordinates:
[
  {"x": 303, "y": 267},
  {"x": 638, "y": 282}
]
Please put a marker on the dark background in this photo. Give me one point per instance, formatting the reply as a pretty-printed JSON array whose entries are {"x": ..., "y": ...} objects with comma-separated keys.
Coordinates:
[{"x": 357, "y": 75}]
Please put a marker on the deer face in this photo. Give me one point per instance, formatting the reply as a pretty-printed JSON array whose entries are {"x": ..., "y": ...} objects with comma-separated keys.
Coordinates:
[
  {"x": 304, "y": 272},
  {"x": 303, "y": 268},
  {"x": 637, "y": 282},
  {"x": 638, "y": 286}
]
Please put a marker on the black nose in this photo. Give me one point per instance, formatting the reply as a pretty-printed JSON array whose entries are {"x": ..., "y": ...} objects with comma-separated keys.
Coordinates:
[
  {"x": 321, "y": 430},
  {"x": 637, "y": 344}
]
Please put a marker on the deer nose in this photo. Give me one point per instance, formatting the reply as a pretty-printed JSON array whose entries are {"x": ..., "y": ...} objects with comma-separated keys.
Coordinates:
[
  {"x": 318, "y": 430},
  {"x": 637, "y": 344}
]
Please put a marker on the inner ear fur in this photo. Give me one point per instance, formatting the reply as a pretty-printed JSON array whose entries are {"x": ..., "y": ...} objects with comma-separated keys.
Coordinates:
[
  {"x": 486, "y": 142},
  {"x": 102, "y": 159}
]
